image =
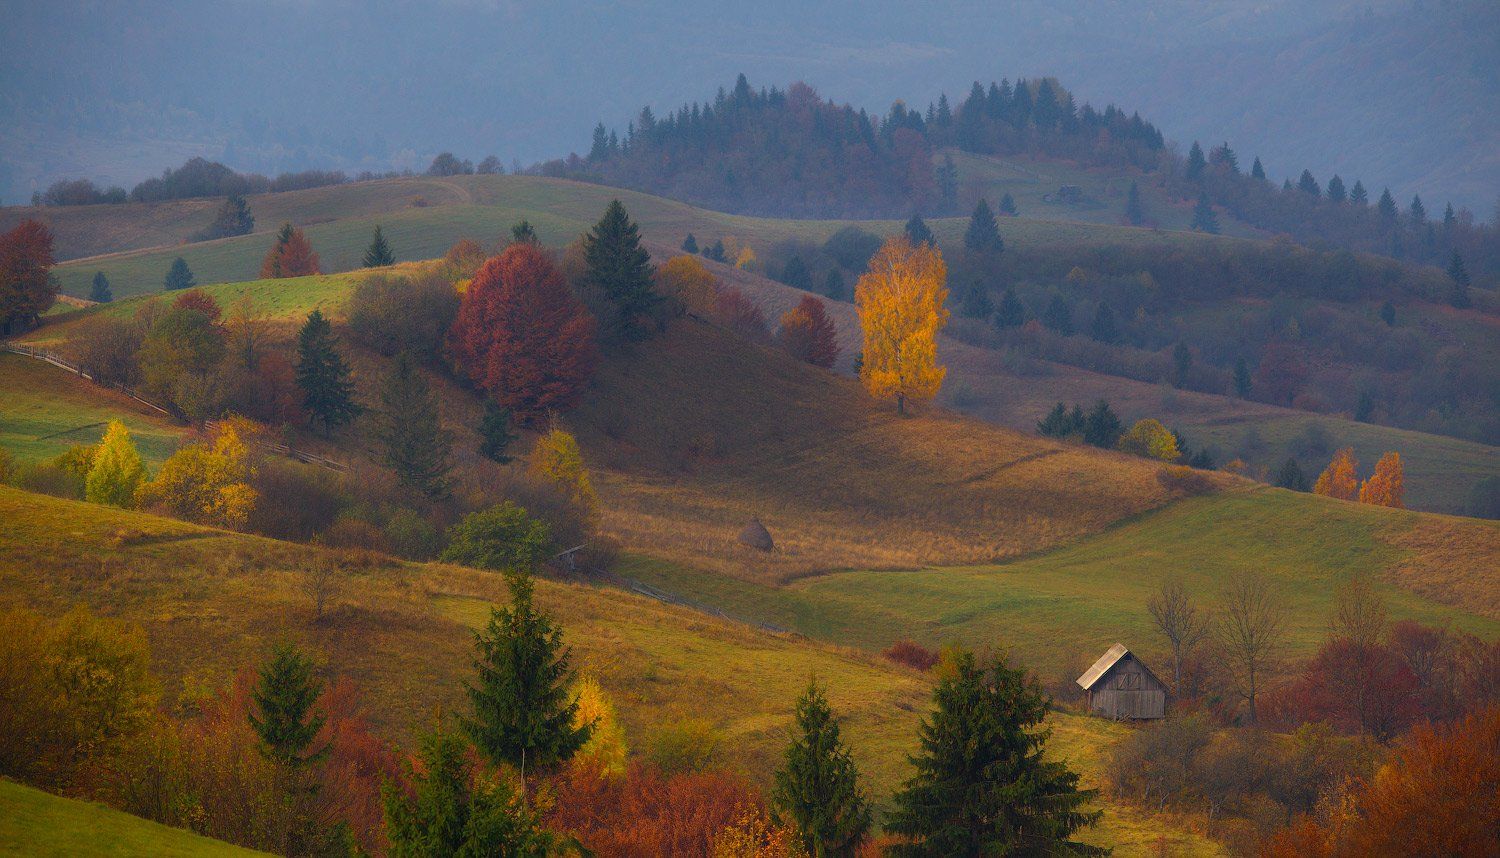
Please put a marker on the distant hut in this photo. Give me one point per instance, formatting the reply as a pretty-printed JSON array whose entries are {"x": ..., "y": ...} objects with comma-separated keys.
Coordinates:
[
  {"x": 1121, "y": 686},
  {"x": 756, "y": 536}
]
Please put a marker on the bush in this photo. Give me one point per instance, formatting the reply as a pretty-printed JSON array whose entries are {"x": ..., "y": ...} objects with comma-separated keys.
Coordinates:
[
  {"x": 689, "y": 745},
  {"x": 501, "y": 537},
  {"x": 412, "y": 536},
  {"x": 852, "y": 247},
  {"x": 208, "y": 483},
  {"x": 648, "y": 812},
  {"x": 911, "y": 654},
  {"x": 49, "y": 478},
  {"x": 355, "y": 533},
  {"x": 1183, "y": 480},
  {"x": 1150, "y": 439},
  {"x": 395, "y": 314},
  {"x": 296, "y": 500}
]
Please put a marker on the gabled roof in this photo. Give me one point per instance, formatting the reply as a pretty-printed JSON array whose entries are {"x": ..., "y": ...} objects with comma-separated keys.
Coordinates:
[{"x": 1107, "y": 661}]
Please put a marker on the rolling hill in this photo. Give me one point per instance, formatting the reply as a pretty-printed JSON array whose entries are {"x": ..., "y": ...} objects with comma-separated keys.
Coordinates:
[{"x": 37, "y": 824}]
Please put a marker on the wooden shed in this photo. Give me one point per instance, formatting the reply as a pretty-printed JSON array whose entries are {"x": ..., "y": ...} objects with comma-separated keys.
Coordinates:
[{"x": 1121, "y": 686}]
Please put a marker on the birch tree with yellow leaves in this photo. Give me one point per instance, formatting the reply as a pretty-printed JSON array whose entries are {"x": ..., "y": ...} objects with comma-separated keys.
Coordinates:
[{"x": 901, "y": 309}]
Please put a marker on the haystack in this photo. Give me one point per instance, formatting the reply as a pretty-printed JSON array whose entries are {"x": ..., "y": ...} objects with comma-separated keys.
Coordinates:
[{"x": 756, "y": 536}]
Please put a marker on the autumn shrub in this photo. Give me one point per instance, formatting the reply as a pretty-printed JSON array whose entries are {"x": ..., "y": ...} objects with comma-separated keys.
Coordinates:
[
  {"x": 911, "y": 654},
  {"x": 355, "y": 534},
  {"x": 49, "y": 478},
  {"x": 648, "y": 812},
  {"x": 1183, "y": 480},
  {"x": 739, "y": 314},
  {"x": 807, "y": 334},
  {"x": 295, "y": 501},
  {"x": 753, "y": 834},
  {"x": 1158, "y": 764},
  {"x": 411, "y": 536},
  {"x": 685, "y": 280},
  {"x": 686, "y": 745},
  {"x": 606, "y": 748},
  {"x": 179, "y": 354},
  {"x": 398, "y": 314},
  {"x": 106, "y": 346},
  {"x": 207, "y": 482},
  {"x": 113, "y": 472},
  {"x": 502, "y": 537},
  {"x": 462, "y": 260},
  {"x": 1363, "y": 688},
  {"x": 1150, "y": 439},
  {"x": 556, "y": 459}
]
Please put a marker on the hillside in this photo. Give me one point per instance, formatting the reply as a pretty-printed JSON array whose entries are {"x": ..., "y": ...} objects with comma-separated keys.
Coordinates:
[
  {"x": 36, "y": 824},
  {"x": 211, "y": 601}
]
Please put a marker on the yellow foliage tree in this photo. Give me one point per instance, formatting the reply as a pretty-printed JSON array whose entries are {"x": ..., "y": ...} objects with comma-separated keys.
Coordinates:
[
  {"x": 900, "y": 300},
  {"x": 1151, "y": 439},
  {"x": 558, "y": 459},
  {"x": 1387, "y": 486},
  {"x": 1338, "y": 480},
  {"x": 606, "y": 745},
  {"x": 207, "y": 483},
  {"x": 116, "y": 471},
  {"x": 687, "y": 280}
]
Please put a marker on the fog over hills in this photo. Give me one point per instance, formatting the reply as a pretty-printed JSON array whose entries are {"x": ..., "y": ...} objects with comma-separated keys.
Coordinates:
[{"x": 1397, "y": 93}]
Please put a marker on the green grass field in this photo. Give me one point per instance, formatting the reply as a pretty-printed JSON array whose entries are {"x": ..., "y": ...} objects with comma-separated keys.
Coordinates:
[
  {"x": 1058, "y": 610},
  {"x": 46, "y": 410},
  {"x": 34, "y": 823}
]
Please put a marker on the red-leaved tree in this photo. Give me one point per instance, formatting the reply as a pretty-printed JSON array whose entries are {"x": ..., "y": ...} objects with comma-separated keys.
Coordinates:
[
  {"x": 291, "y": 256},
  {"x": 647, "y": 812},
  {"x": 808, "y": 334},
  {"x": 26, "y": 285},
  {"x": 522, "y": 337}
]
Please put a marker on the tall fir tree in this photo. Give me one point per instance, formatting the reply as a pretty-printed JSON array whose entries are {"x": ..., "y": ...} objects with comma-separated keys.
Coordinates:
[
  {"x": 1103, "y": 328},
  {"x": 1101, "y": 427},
  {"x": 1059, "y": 315},
  {"x": 1011, "y": 313},
  {"x": 982, "y": 784},
  {"x": 796, "y": 275},
  {"x": 1257, "y": 172},
  {"x": 1449, "y": 218},
  {"x": 1308, "y": 185},
  {"x": 1387, "y": 206},
  {"x": 833, "y": 285},
  {"x": 417, "y": 447},
  {"x": 495, "y": 432},
  {"x": 99, "y": 291},
  {"x": 1336, "y": 192},
  {"x": 522, "y": 714},
  {"x": 1008, "y": 205},
  {"x": 1459, "y": 275},
  {"x": 621, "y": 269},
  {"x": 283, "y": 714},
  {"x": 1358, "y": 196},
  {"x": 983, "y": 234},
  {"x": 1204, "y": 218},
  {"x": 976, "y": 301},
  {"x": 1195, "y": 163},
  {"x": 1242, "y": 381},
  {"x": 323, "y": 375},
  {"x": 817, "y": 787},
  {"x": 232, "y": 218},
  {"x": 690, "y": 244},
  {"x": 1134, "y": 213},
  {"x": 918, "y": 232},
  {"x": 1418, "y": 212},
  {"x": 1290, "y": 476},
  {"x": 179, "y": 276},
  {"x": 378, "y": 254}
]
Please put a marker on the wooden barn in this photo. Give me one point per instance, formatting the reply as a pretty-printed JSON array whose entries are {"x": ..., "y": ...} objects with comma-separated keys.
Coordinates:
[{"x": 1121, "y": 686}]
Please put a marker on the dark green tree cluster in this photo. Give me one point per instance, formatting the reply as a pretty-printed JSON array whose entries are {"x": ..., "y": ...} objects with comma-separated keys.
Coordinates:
[
  {"x": 323, "y": 375},
  {"x": 179, "y": 276},
  {"x": 621, "y": 270},
  {"x": 496, "y": 432},
  {"x": 233, "y": 218},
  {"x": 1204, "y": 218},
  {"x": 796, "y": 275},
  {"x": 524, "y": 233},
  {"x": 918, "y": 231},
  {"x": 1099, "y": 427},
  {"x": 1011, "y": 313},
  {"x": 416, "y": 446}
]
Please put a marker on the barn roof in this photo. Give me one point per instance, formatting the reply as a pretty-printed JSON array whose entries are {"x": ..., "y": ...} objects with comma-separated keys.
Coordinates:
[{"x": 1111, "y": 657}]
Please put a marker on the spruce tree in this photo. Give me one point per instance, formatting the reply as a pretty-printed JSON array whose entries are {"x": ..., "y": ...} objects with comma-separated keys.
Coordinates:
[
  {"x": 1008, "y": 205},
  {"x": 796, "y": 275},
  {"x": 1290, "y": 476},
  {"x": 1101, "y": 428},
  {"x": 378, "y": 254},
  {"x": 232, "y": 218},
  {"x": 1204, "y": 218},
  {"x": 1241, "y": 378},
  {"x": 416, "y": 446},
  {"x": 522, "y": 714},
  {"x": 1195, "y": 163},
  {"x": 1133, "y": 211},
  {"x": 621, "y": 269},
  {"x": 1449, "y": 218},
  {"x": 917, "y": 231},
  {"x": 1058, "y": 423},
  {"x": 1459, "y": 274},
  {"x": 1387, "y": 206},
  {"x": 690, "y": 244},
  {"x": 983, "y": 234},
  {"x": 983, "y": 785},
  {"x": 1336, "y": 193},
  {"x": 179, "y": 276},
  {"x": 1358, "y": 196},
  {"x": 1182, "y": 362},
  {"x": 1059, "y": 316},
  {"x": 495, "y": 434},
  {"x": 323, "y": 375},
  {"x": 100, "y": 292},
  {"x": 524, "y": 233},
  {"x": 1011, "y": 313},
  {"x": 1418, "y": 212},
  {"x": 817, "y": 787},
  {"x": 282, "y": 715},
  {"x": 833, "y": 284},
  {"x": 1258, "y": 172},
  {"x": 1103, "y": 329},
  {"x": 1308, "y": 185},
  {"x": 976, "y": 302}
]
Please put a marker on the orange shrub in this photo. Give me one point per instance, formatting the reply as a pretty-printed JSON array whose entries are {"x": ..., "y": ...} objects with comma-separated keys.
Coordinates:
[
  {"x": 647, "y": 813},
  {"x": 911, "y": 654}
]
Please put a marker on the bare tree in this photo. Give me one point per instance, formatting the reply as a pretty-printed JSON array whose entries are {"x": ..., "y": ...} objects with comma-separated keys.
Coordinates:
[
  {"x": 322, "y": 582},
  {"x": 1179, "y": 622},
  {"x": 1359, "y": 614},
  {"x": 1250, "y": 632}
]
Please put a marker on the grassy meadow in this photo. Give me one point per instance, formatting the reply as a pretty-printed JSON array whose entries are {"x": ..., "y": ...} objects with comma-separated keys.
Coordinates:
[
  {"x": 41, "y": 825},
  {"x": 212, "y": 602}
]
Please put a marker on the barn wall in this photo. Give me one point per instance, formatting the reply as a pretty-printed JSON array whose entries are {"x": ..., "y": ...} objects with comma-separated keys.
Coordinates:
[{"x": 1128, "y": 691}]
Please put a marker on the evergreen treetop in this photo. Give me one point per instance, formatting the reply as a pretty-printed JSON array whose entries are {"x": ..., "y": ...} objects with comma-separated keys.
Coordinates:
[
  {"x": 917, "y": 230},
  {"x": 620, "y": 268},
  {"x": 495, "y": 432},
  {"x": 1103, "y": 329},
  {"x": 282, "y": 715},
  {"x": 1195, "y": 163},
  {"x": 1011, "y": 312},
  {"x": 99, "y": 290},
  {"x": 524, "y": 233},
  {"x": 378, "y": 254},
  {"x": 179, "y": 276},
  {"x": 323, "y": 375},
  {"x": 817, "y": 787},
  {"x": 983, "y": 234},
  {"x": 1008, "y": 205},
  {"x": 1204, "y": 218},
  {"x": 1102, "y": 428},
  {"x": 1257, "y": 171},
  {"x": 417, "y": 447},
  {"x": 690, "y": 244},
  {"x": 1358, "y": 195}
]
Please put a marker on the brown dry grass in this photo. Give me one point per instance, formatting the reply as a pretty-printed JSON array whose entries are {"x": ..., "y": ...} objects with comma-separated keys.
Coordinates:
[{"x": 1455, "y": 561}]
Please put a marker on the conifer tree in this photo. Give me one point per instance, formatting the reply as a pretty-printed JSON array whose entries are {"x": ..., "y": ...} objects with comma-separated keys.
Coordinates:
[
  {"x": 917, "y": 231},
  {"x": 621, "y": 269},
  {"x": 817, "y": 787},
  {"x": 117, "y": 471},
  {"x": 1195, "y": 163},
  {"x": 179, "y": 276},
  {"x": 833, "y": 285},
  {"x": 1290, "y": 476},
  {"x": 1387, "y": 206},
  {"x": 1011, "y": 313},
  {"x": 1133, "y": 211},
  {"x": 323, "y": 375},
  {"x": 983, "y": 234},
  {"x": 378, "y": 254},
  {"x": 1258, "y": 172},
  {"x": 796, "y": 275},
  {"x": 1459, "y": 274},
  {"x": 690, "y": 244},
  {"x": 1102, "y": 428},
  {"x": 524, "y": 233},
  {"x": 1242, "y": 383},
  {"x": 1449, "y": 218},
  {"x": 417, "y": 447},
  {"x": 1418, "y": 212},
  {"x": 1336, "y": 193},
  {"x": 1308, "y": 185},
  {"x": 1008, "y": 205},
  {"x": 1204, "y": 218},
  {"x": 1182, "y": 362},
  {"x": 983, "y": 785},
  {"x": 1059, "y": 316},
  {"x": 522, "y": 715},
  {"x": 99, "y": 291},
  {"x": 1358, "y": 196},
  {"x": 947, "y": 178},
  {"x": 1061, "y": 423},
  {"x": 283, "y": 715},
  {"x": 1103, "y": 329},
  {"x": 233, "y": 218},
  {"x": 1388, "y": 314},
  {"x": 495, "y": 433}
]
